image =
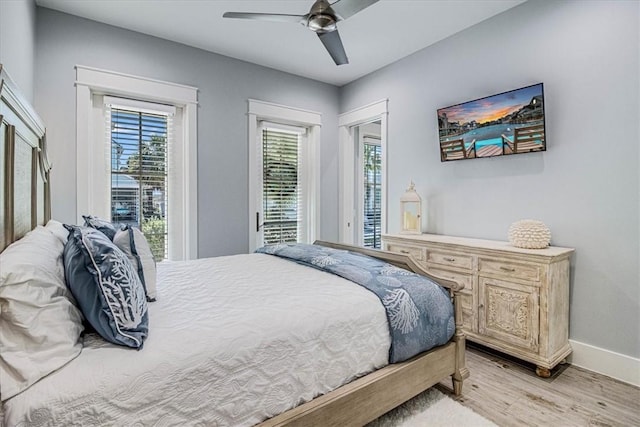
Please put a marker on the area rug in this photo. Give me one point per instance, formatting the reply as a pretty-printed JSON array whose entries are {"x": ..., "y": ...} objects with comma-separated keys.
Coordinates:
[{"x": 433, "y": 409}]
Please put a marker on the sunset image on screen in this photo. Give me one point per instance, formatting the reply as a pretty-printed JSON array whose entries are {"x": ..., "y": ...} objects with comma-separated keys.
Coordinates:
[{"x": 508, "y": 123}]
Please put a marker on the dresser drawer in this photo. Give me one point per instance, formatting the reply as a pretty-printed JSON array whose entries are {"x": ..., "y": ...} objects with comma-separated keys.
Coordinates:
[
  {"x": 415, "y": 251},
  {"x": 509, "y": 269},
  {"x": 466, "y": 279},
  {"x": 450, "y": 258}
]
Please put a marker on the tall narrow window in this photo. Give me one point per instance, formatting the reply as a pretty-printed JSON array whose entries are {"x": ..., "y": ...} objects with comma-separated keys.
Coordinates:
[
  {"x": 282, "y": 195},
  {"x": 372, "y": 166},
  {"x": 139, "y": 167}
]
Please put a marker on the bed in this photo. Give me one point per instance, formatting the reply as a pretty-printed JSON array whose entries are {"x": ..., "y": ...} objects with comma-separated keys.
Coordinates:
[{"x": 275, "y": 344}]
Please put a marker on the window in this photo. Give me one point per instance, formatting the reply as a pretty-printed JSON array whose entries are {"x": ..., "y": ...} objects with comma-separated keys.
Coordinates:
[
  {"x": 284, "y": 156},
  {"x": 282, "y": 186},
  {"x": 139, "y": 167},
  {"x": 143, "y": 111},
  {"x": 372, "y": 192}
]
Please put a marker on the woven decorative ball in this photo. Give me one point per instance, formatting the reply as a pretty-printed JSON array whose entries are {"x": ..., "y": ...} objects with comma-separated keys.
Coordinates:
[{"x": 529, "y": 234}]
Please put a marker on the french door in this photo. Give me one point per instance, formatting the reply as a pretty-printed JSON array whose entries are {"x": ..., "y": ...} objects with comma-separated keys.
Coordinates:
[
  {"x": 284, "y": 174},
  {"x": 282, "y": 196}
]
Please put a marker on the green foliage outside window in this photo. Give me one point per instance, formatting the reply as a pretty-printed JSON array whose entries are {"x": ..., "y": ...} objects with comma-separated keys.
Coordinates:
[{"x": 154, "y": 230}]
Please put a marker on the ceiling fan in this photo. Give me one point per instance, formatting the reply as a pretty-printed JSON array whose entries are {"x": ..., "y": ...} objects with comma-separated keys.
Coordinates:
[{"x": 321, "y": 19}]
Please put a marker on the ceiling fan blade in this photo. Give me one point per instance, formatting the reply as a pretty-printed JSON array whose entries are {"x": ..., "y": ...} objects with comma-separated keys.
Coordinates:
[
  {"x": 347, "y": 8},
  {"x": 333, "y": 44},
  {"x": 277, "y": 17}
]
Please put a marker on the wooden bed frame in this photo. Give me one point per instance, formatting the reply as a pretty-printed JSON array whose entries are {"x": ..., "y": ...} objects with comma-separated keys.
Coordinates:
[
  {"x": 24, "y": 168},
  {"x": 365, "y": 399},
  {"x": 25, "y": 203}
]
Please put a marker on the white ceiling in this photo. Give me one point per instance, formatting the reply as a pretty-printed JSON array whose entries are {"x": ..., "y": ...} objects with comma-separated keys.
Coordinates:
[{"x": 375, "y": 37}]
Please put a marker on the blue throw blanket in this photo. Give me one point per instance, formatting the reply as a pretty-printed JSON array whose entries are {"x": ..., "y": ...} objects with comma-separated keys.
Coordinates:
[{"x": 419, "y": 311}]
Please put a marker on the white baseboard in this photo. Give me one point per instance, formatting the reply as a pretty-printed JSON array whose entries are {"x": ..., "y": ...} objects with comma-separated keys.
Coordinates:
[{"x": 609, "y": 363}]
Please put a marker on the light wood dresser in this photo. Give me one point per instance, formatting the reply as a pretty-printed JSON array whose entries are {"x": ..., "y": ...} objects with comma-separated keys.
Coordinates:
[{"x": 514, "y": 300}]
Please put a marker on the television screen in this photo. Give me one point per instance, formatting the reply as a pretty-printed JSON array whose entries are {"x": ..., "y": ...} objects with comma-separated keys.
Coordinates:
[{"x": 503, "y": 124}]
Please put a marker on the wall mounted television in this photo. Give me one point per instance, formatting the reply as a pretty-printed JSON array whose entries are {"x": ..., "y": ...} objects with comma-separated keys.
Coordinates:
[{"x": 507, "y": 123}]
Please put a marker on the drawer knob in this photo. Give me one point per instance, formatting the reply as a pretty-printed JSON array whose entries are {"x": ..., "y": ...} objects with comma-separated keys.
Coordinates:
[
  {"x": 510, "y": 269},
  {"x": 402, "y": 251},
  {"x": 449, "y": 259}
]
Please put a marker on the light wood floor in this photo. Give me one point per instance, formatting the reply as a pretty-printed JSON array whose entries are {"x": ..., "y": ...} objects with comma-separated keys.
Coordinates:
[{"x": 510, "y": 394}]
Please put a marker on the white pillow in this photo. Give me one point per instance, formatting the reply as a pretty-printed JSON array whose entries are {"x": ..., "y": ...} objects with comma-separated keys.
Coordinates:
[
  {"x": 58, "y": 230},
  {"x": 132, "y": 242},
  {"x": 40, "y": 325}
]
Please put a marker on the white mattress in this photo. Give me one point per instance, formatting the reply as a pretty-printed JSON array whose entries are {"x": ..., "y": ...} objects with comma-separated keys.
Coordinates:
[{"x": 233, "y": 341}]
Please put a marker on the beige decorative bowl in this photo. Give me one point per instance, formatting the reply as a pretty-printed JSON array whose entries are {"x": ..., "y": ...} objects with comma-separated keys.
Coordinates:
[{"x": 529, "y": 234}]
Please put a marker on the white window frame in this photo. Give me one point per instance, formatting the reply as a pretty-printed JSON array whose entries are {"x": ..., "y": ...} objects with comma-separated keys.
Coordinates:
[
  {"x": 259, "y": 111},
  {"x": 89, "y": 149},
  {"x": 348, "y": 205}
]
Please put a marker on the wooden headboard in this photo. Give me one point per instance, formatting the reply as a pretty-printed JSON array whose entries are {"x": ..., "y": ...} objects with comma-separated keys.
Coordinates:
[{"x": 25, "y": 198}]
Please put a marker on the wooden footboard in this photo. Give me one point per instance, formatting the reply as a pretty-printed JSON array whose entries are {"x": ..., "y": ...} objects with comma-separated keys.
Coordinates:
[{"x": 367, "y": 398}]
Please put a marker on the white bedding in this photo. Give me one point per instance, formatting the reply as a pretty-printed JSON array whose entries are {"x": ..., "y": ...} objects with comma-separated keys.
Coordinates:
[{"x": 232, "y": 341}]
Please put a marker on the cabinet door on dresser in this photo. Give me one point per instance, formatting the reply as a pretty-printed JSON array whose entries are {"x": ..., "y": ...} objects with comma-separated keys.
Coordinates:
[{"x": 509, "y": 313}]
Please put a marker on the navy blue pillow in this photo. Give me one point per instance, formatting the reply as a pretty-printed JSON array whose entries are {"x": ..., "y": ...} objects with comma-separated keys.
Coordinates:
[
  {"x": 106, "y": 287},
  {"x": 100, "y": 224}
]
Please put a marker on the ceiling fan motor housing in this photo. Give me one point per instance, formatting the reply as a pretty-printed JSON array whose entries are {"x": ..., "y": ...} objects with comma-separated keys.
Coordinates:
[{"x": 322, "y": 19}]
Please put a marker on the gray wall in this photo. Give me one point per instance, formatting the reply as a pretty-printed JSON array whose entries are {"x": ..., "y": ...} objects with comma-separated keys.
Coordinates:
[
  {"x": 224, "y": 85},
  {"x": 17, "y": 42},
  {"x": 585, "y": 187}
]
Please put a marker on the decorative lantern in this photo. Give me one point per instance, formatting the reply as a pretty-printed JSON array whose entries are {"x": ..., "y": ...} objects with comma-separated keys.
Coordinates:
[{"x": 411, "y": 211}]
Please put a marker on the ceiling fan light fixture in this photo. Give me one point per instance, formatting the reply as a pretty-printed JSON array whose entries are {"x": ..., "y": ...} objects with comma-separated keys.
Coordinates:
[{"x": 321, "y": 23}]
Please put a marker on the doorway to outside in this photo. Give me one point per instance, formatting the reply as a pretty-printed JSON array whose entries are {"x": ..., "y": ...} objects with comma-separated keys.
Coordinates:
[
  {"x": 363, "y": 152},
  {"x": 284, "y": 174}
]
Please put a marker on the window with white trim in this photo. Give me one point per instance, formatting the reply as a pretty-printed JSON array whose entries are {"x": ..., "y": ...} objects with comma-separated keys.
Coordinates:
[
  {"x": 169, "y": 197},
  {"x": 139, "y": 144}
]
